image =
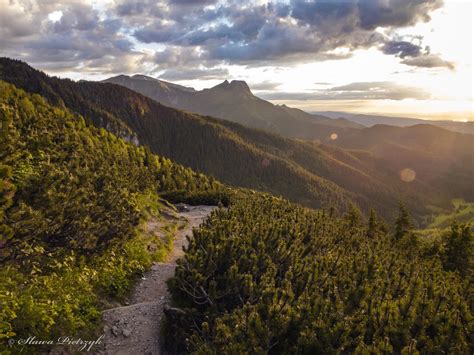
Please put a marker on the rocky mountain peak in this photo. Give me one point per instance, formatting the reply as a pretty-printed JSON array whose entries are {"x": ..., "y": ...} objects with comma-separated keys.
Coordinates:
[{"x": 234, "y": 86}]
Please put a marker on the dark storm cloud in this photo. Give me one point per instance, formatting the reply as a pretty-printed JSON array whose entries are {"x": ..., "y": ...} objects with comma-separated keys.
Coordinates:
[{"x": 354, "y": 91}]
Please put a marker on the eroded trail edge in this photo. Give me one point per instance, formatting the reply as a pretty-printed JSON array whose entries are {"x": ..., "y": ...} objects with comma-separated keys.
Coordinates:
[{"x": 136, "y": 328}]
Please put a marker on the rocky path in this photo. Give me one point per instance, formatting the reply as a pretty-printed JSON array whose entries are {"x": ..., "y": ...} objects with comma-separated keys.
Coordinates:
[{"x": 135, "y": 328}]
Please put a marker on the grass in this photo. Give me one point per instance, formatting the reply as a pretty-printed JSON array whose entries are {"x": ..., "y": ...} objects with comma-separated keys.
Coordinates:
[{"x": 462, "y": 211}]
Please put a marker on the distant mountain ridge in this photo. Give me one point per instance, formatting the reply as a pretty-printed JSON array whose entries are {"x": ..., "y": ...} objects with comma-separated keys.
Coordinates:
[
  {"x": 234, "y": 101},
  {"x": 371, "y": 120}
]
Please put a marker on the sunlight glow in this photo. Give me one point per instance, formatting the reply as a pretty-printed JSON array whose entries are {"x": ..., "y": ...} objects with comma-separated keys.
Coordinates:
[
  {"x": 407, "y": 175},
  {"x": 55, "y": 16}
]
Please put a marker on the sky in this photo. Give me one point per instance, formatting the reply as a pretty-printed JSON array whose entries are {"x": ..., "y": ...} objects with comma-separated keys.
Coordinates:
[{"x": 393, "y": 57}]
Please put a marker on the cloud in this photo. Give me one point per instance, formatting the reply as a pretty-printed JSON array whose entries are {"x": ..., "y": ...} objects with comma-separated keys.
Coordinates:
[
  {"x": 414, "y": 55},
  {"x": 395, "y": 13},
  {"x": 265, "y": 85},
  {"x": 193, "y": 2},
  {"x": 354, "y": 91},
  {"x": 382, "y": 90},
  {"x": 297, "y": 96},
  {"x": 79, "y": 40},
  {"x": 196, "y": 73},
  {"x": 250, "y": 33},
  {"x": 401, "y": 49},
  {"x": 181, "y": 58},
  {"x": 190, "y": 34},
  {"x": 429, "y": 61}
]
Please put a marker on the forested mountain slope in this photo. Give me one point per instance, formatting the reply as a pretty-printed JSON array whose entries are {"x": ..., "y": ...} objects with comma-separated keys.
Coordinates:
[
  {"x": 441, "y": 159},
  {"x": 201, "y": 143},
  {"x": 59, "y": 169}
]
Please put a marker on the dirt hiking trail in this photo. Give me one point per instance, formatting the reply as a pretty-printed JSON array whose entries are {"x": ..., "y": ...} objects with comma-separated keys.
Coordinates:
[{"x": 135, "y": 328}]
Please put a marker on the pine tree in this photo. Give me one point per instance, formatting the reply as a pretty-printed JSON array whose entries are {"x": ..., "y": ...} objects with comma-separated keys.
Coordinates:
[
  {"x": 353, "y": 217},
  {"x": 458, "y": 255},
  {"x": 372, "y": 224},
  {"x": 403, "y": 223}
]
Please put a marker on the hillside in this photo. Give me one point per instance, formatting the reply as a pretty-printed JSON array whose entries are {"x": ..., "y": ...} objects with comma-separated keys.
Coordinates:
[
  {"x": 310, "y": 173},
  {"x": 73, "y": 199},
  {"x": 202, "y": 143},
  {"x": 372, "y": 120},
  {"x": 51, "y": 157},
  {"x": 235, "y": 102}
]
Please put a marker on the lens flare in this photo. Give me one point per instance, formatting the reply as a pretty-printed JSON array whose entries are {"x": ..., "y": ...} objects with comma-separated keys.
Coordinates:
[{"x": 407, "y": 175}]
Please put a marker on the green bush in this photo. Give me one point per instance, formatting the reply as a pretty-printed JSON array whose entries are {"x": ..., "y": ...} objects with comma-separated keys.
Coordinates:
[{"x": 267, "y": 276}]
